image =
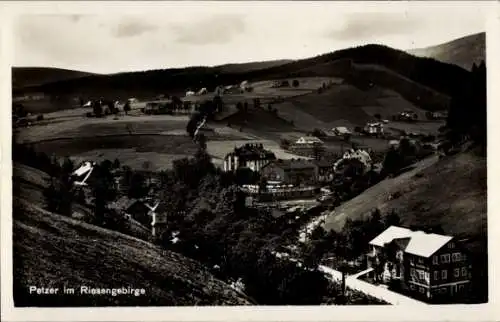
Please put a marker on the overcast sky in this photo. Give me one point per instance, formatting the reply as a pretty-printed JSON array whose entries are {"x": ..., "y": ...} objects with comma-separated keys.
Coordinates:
[{"x": 183, "y": 34}]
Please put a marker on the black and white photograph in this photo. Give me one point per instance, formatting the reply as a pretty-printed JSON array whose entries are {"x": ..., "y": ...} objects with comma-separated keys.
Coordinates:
[{"x": 250, "y": 154}]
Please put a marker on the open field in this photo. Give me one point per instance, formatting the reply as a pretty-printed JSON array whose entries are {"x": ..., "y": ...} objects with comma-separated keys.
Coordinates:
[
  {"x": 346, "y": 105},
  {"x": 81, "y": 126}
]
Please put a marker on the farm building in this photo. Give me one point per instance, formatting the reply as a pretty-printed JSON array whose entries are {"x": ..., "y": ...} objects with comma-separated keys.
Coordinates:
[
  {"x": 308, "y": 140},
  {"x": 341, "y": 130},
  {"x": 406, "y": 116},
  {"x": 153, "y": 217},
  {"x": 252, "y": 156},
  {"x": 291, "y": 171},
  {"x": 375, "y": 128},
  {"x": 427, "y": 265}
]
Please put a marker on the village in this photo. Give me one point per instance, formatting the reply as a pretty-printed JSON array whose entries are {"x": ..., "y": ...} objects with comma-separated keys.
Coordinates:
[
  {"x": 425, "y": 266},
  {"x": 301, "y": 189}
]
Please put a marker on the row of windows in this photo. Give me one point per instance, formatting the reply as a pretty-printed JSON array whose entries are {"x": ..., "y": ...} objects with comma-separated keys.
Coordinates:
[
  {"x": 444, "y": 290},
  {"x": 421, "y": 289},
  {"x": 441, "y": 290},
  {"x": 456, "y": 273},
  {"x": 445, "y": 258},
  {"x": 421, "y": 274}
]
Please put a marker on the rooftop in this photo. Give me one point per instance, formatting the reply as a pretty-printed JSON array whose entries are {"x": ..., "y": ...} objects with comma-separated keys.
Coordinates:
[{"x": 419, "y": 243}]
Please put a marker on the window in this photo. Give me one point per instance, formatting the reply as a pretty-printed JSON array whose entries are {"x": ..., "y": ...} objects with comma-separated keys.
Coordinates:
[
  {"x": 461, "y": 288},
  {"x": 444, "y": 274},
  {"x": 427, "y": 276},
  {"x": 442, "y": 290},
  {"x": 451, "y": 245},
  {"x": 457, "y": 272},
  {"x": 435, "y": 260},
  {"x": 412, "y": 287},
  {"x": 421, "y": 275},
  {"x": 445, "y": 258},
  {"x": 464, "y": 271},
  {"x": 455, "y": 257},
  {"x": 436, "y": 275},
  {"x": 420, "y": 260},
  {"x": 422, "y": 290},
  {"x": 412, "y": 271}
]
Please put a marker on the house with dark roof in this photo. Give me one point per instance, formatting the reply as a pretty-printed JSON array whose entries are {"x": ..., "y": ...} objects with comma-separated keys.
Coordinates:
[
  {"x": 291, "y": 171},
  {"x": 429, "y": 266},
  {"x": 252, "y": 156},
  {"x": 152, "y": 215}
]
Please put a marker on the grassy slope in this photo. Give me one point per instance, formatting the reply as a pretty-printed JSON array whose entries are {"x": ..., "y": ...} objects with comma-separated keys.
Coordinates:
[
  {"x": 450, "y": 192},
  {"x": 53, "y": 251},
  {"x": 462, "y": 52}
]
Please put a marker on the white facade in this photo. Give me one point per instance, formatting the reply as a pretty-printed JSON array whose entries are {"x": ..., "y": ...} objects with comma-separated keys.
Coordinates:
[
  {"x": 232, "y": 162},
  {"x": 374, "y": 128}
]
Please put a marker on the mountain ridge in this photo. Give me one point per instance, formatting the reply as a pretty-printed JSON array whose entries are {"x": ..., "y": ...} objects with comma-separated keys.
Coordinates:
[{"x": 463, "y": 51}]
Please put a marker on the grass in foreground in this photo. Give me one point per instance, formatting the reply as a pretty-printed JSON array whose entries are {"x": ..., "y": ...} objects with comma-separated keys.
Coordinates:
[{"x": 55, "y": 251}]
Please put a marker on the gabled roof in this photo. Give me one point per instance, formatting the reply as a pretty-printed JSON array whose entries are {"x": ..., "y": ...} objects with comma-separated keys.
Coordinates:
[
  {"x": 83, "y": 172},
  {"x": 420, "y": 243}
]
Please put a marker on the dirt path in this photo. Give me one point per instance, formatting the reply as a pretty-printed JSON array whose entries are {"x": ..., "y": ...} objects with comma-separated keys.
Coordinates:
[{"x": 370, "y": 289}]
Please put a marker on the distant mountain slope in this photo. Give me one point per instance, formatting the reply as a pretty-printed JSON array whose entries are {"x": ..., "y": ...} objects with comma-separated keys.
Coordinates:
[
  {"x": 438, "y": 76},
  {"x": 248, "y": 67},
  {"x": 33, "y": 76},
  {"x": 462, "y": 52}
]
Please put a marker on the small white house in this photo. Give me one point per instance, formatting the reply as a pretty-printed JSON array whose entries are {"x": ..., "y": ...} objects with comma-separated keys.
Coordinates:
[
  {"x": 308, "y": 140},
  {"x": 374, "y": 128},
  {"x": 341, "y": 130}
]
